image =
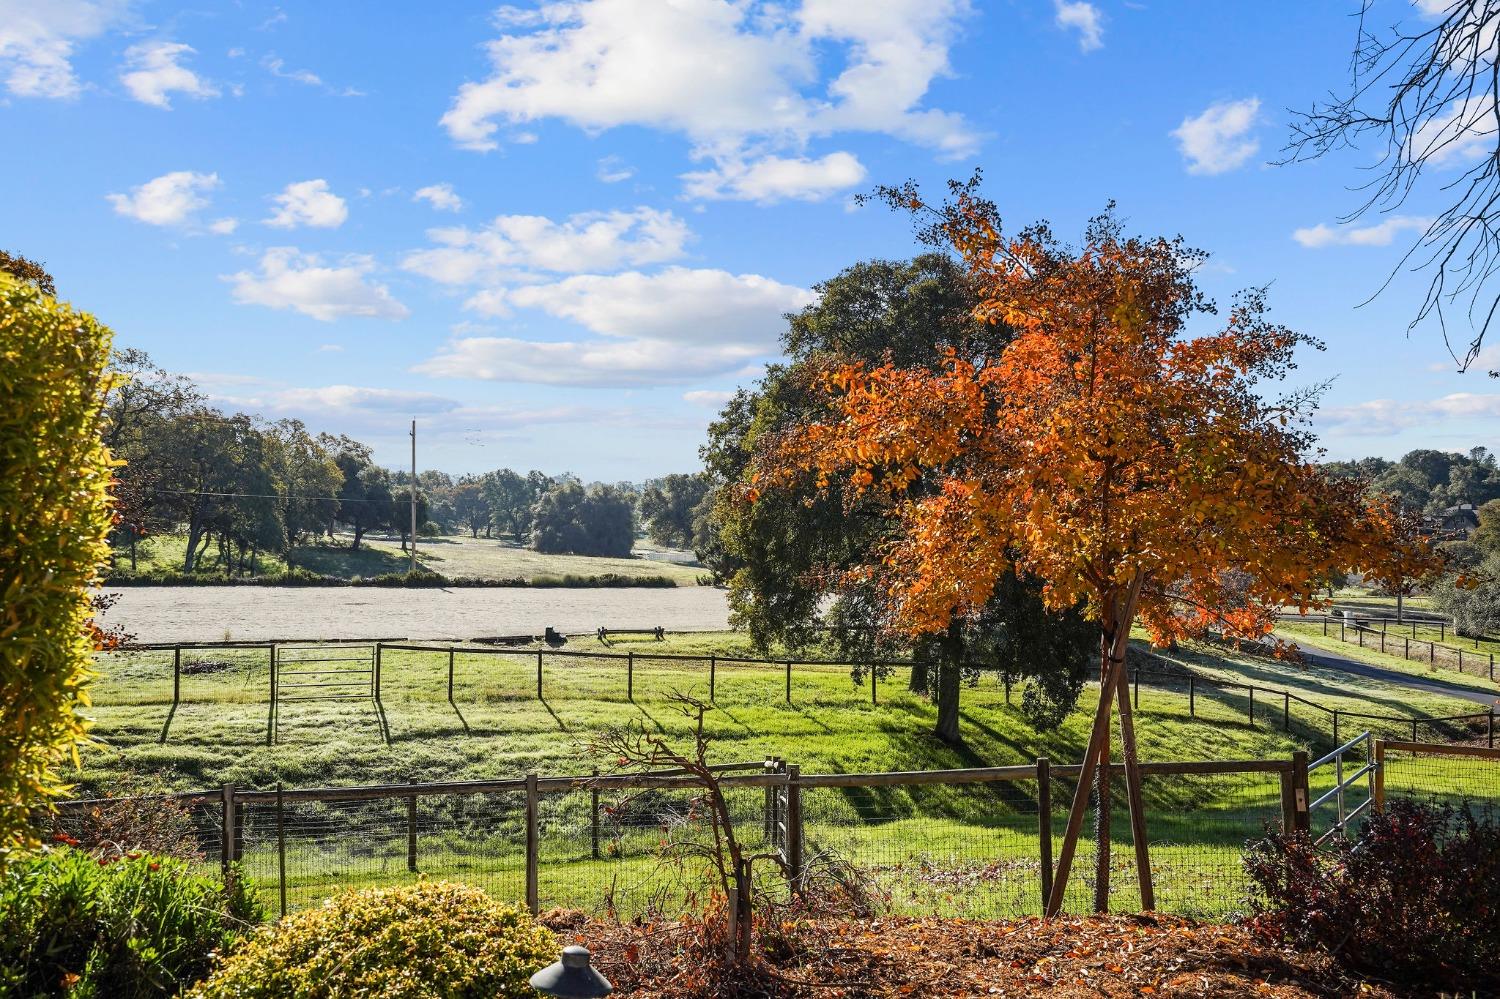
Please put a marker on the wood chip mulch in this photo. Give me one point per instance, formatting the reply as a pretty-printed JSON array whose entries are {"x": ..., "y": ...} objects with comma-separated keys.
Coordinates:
[{"x": 1143, "y": 955}]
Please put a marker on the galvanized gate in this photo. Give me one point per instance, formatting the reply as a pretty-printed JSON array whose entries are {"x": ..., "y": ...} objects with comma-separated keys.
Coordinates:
[{"x": 323, "y": 673}]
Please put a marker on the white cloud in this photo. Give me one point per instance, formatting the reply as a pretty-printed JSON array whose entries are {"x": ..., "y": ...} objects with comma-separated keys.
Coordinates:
[
  {"x": 588, "y": 241},
  {"x": 597, "y": 364},
  {"x": 738, "y": 80},
  {"x": 37, "y": 39},
  {"x": 440, "y": 196},
  {"x": 276, "y": 66},
  {"x": 674, "y": 326},
  {"x": 291, "y": 279},
  {"x": 1218, "y": 139},
  {"x": 224, "y": 226},
  {"x": 707, "y": 397},
  {"x": 775, "y": 178},
  {"x": 153, "y": 71},
  {"x": 171, "y": 199},
  {"x": 678, "y": 304},
  {"x": 335, "y": 399},
  {"x": 612, "y": 170},
  {"x": 1381, "y": 234},
  {"x": 1084, "y": 18},
  {"x": 331, "y": 348},
  {"x": 1385, "y": 417},
  {"x": 310, "y": 203}
]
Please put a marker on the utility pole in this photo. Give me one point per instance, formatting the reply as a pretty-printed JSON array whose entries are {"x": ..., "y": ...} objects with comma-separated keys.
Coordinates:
[{"x": 413, "y": 496}]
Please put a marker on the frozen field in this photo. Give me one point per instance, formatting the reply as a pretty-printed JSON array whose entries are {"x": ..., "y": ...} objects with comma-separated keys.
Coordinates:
[{"x": 254, "y": 613}]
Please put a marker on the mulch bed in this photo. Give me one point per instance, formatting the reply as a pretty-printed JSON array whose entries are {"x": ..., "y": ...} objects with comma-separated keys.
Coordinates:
[{"x": 1144, "y": 955}]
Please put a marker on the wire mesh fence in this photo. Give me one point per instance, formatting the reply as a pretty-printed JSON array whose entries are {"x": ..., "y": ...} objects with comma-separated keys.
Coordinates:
[
  {"x": 1456, "y": 775},
  {"x": 240, "y": 687},
  {"x": 1433, "y": 644},
  {"x": 971, "y": 843}
]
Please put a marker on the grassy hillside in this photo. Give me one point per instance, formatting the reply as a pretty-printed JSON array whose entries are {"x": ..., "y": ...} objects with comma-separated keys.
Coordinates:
[{"x": 454, "y": 557}]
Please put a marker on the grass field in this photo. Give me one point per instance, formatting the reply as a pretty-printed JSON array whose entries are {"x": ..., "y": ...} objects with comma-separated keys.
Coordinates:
[
  {"x": 966, "y": 849},
  {"x": 456, "y": 557}
]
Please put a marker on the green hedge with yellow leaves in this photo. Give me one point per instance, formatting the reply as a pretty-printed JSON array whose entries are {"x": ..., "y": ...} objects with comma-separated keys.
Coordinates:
[{"x": 54, "y": 522}]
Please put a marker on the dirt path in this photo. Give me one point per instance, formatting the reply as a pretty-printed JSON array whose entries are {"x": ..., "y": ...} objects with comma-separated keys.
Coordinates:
[{"x": 257, "y": 613}]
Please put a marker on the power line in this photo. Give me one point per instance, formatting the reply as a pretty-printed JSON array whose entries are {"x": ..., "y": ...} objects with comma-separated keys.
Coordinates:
[{"x": 280, "y": 496}]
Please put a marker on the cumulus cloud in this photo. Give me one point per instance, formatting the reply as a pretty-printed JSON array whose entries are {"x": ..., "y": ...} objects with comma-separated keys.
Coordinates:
[
  {"x": 588, "y": 241},
  {"x": 1219, "y": 138},
  {"x": 776, "y": 178},
  {"x": 593, "y": 364},
  {"x": 291, "y": 279},
  {"x": 37, "y": 41},
  {"x": 173, "y": 199},
  {"x": 707, "y": 397},
  {"x": 678, "y": 304},
  {"x": 153, "y": 71},
  {"x": 439, "y": 196},
  {"x": 727, "y": 76},
  {"x": 1384, "y": 417},
  {"x": 309, "y": 203},
  {"x": 1381, "y": 234},
  {"x": 677, "y": 325},
  {"x": 1084, "y": 18}
]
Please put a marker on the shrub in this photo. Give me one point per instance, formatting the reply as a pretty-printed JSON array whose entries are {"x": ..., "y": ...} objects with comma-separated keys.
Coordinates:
[
  {"x": 137, "y": 815},
  {"x": 74, "y": 925},
  {"x": 54, "y": 527},
  {"x": 1410, "y": 899},
  {"x": 413, "y": 942}
]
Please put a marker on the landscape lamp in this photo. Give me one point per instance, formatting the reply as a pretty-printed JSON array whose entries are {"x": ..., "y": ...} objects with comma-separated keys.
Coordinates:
[{"x": 571, "y": 978}]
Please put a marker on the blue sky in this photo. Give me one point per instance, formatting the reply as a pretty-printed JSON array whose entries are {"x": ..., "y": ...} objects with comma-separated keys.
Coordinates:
[{"x": 558, "y": 236}]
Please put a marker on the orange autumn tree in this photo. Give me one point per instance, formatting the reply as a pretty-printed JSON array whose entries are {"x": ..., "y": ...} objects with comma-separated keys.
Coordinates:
[{"x": 1132, "y": 468}]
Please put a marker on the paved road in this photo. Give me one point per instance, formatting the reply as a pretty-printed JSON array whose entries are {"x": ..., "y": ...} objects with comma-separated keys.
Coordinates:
[
  {"x": 258, "y": 613},
  {"x": 1332, "y": 660}
]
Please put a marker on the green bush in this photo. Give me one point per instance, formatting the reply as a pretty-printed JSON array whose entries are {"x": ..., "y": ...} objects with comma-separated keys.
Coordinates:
[
  {"x": 414, "y": 942},
  {"x": 54, "y": 526},
  {"x": 72, "y": 925}
]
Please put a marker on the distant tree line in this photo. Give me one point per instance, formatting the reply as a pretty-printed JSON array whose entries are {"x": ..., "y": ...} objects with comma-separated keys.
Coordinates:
[{"x": 1428, "y": 481}]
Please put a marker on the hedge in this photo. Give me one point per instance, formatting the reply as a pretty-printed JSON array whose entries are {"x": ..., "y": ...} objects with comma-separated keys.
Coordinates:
[{"x": 54, "y": 523}]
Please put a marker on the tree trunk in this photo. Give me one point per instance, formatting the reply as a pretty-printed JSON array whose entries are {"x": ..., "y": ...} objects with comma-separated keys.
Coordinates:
[
  {"x": 359, "y": 532},
  {"x": 1119, "y": 612},
  {"x": 1399, "y": 603},
  {"x": 473, "y": 531},
  {"x": 132, "y": 551},
  {"x": 190, "y": 556},
  {"x": 949, "y": 681},
  {"x": 918, "y": 682},
  {"x": 1103, "y": 802}
]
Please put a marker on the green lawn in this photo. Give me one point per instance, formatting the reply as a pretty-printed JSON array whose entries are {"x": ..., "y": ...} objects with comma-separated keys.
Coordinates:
[
  {"x": 969, "y": 849},
  {"x": 456, "y": 557}
]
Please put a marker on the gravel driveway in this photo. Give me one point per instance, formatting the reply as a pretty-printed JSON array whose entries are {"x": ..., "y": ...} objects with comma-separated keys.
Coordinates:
[{"x": 258, "y": 613}]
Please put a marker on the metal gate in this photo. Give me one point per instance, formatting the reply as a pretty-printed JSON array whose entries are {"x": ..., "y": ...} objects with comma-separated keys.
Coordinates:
[
  {"x": 1346, "y": 774},
  {"x": 323, "y": 673}
]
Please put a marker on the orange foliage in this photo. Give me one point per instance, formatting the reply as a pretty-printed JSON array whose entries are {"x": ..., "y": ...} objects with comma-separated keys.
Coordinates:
[{"x": 1104, "y": 447}]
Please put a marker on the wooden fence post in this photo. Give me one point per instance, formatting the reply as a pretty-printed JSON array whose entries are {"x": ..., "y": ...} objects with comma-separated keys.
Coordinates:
[
  {"x": 594, "y": 816},
  {"x": 532, "y": 845},
  {"x": 1301, "y": 795},
  {"x": 1252, "y": 705},
  {"x": 1286, "y": 711},
  {"x": 1288, "y": 802},
  {"x": 794, "y": 825},
  {"x": 1044, "y": 823},
  {"x": 450, "y": 676},
  {"x": 1378, "y": 791},
  {"x": 226, "y": 831},
  {"x": 411, "y": 830},
  {"x": 539, "y": 675},
  {"x": 177, "y": 674},
  {"x": 789, "y": 682},
  {"x": 281, "y": 847},
  {"x": 713, "y": 664},
  {"x": 378, "y": 662},
  {"x": 630, "y": 676},
  {"x": 1406, "y": 648},
  {"x": 873, "y": 699},
  {"x": 1192, "y": 697}
]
